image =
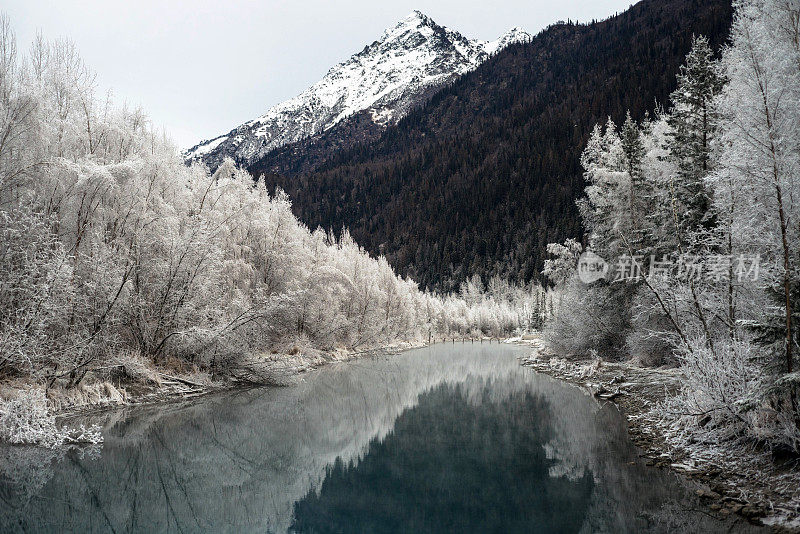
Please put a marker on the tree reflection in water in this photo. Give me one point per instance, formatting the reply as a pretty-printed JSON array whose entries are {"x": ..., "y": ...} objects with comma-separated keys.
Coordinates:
[
  {"x": 451, "y": 465},
  {"x": 448, "y": 438}
]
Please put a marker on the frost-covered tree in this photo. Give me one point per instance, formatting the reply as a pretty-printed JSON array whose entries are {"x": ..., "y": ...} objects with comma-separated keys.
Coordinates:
[
  {"x": 633, "y": 149},
  {"x": 561, "y": 267},
  {"x": 712, "y": 187},
  {"x": 114, "y": 253},
  {"x": 608, "y": 191},
  {"x": 761, "y": 160},
  {"x": 692, "y": 120}
]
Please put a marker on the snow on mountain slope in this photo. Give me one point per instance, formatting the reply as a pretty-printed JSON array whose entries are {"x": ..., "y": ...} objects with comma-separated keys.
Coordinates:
[{"x": 386, "y": 78}]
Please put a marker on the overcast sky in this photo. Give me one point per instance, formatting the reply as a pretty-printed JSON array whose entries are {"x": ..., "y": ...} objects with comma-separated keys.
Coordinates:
[{"x": 201, "y": 68}]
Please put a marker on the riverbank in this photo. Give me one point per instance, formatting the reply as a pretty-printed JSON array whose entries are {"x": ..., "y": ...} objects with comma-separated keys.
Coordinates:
[
  {"x": 152, "y": 385},
  {"x": 170, "y": 385},
  {"x": 748, "y": 482},
  {"x": 252, "y": 459}
]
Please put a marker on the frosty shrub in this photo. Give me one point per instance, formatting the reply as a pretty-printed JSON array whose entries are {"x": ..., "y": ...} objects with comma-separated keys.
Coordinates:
[
  {"x": 35, "y": 291},
  {"x": 651, "y": 340},
  {"x": 718, "y": 390},
  {"x": 587, "y": 319},
  {"x": 116, "y": 258},
  {"x": 27, "y": 420},
  {"x": 726, "y": 397}
]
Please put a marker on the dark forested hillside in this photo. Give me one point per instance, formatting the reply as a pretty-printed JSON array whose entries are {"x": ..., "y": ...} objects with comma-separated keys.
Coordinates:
[{"x": 481, "y": 178}]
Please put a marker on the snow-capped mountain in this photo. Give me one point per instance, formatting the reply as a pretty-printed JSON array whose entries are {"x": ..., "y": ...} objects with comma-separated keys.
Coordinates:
[{"x": 385, "y": 79}]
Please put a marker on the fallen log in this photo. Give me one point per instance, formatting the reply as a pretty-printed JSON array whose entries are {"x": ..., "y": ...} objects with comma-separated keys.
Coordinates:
[{"x": 181, "y": 380}]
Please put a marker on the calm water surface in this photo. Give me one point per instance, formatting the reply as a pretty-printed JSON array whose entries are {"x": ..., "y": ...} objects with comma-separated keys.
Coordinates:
[{"x": 452, "y": 438}]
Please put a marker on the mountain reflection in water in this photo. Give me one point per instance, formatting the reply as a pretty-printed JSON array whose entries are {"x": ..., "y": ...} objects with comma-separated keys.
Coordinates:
[
  {"x": 459, "y": 461},
  {"x": 450, "y": 438}
]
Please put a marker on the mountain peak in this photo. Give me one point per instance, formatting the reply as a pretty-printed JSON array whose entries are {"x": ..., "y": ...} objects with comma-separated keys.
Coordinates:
[
  {"x": 517, "y": 33},
  {"x": 420, "y": 16},
  {"x": 415, "y": 22},
  {"x": 386, "y": 79}
]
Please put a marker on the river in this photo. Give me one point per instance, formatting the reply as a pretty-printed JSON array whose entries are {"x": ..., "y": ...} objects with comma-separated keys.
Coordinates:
[{"x": 449, "y": 438}]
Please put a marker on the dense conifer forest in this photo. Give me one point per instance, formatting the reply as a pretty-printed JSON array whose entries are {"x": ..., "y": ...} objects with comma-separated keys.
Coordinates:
[{"x": 484, "y": 176}]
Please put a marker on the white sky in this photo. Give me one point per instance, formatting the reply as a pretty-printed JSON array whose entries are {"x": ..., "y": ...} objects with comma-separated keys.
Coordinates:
[{"x": 201, "y": 68}]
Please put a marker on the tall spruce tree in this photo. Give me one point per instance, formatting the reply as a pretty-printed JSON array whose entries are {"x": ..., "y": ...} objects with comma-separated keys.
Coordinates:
[
  {"x": 633, "y": 150},
  {"x": 693, "y": 119}
]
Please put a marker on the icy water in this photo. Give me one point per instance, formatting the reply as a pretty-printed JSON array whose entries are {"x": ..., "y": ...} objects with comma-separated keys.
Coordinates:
[{"x": 452, "y": 438}]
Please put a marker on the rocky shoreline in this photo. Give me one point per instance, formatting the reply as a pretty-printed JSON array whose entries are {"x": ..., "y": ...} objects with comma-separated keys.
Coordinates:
[{"x": 747, "y": 483}]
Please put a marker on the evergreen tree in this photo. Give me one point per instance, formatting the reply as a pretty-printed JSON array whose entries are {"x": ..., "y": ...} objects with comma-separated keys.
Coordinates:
[
  {"x": 633, "y": 150},
  {"x": 486, "y": 173},
  {"x": 693, "y": 120}
]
